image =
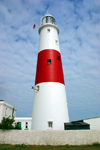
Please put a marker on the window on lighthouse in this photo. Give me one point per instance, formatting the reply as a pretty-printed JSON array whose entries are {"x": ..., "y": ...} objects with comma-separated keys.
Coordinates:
[
  {"x": 50, "y": 124},
  {"x": 56, "y": 42},
  {"x": 47, "y": 19},
  {"x": 58, "y": 57},
  {"x": 50, "y": 20},
  {"x": 48, "y": 30},
  {"x": 49, "y": 61}
]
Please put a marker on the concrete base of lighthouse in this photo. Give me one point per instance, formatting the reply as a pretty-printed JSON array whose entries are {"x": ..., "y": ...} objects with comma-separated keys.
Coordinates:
[{"x": 49, "y": 107}]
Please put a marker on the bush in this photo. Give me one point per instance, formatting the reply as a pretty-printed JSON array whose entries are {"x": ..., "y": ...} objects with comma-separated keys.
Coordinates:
[{"x": 7, "y": 124}]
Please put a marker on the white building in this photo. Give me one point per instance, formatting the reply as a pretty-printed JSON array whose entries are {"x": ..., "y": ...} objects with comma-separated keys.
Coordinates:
[
  {"x": 94, "y": 122},
  {"x": 24, "y": 123},
  {"x": 6, "y": 110}
]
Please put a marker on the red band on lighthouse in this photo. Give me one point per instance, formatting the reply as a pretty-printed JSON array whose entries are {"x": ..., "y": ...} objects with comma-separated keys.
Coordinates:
[{"x": 49, "y": 67}]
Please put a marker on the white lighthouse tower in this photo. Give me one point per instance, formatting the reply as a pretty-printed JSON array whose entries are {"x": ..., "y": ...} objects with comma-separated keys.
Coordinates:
[{"x": 50, "y": 109}]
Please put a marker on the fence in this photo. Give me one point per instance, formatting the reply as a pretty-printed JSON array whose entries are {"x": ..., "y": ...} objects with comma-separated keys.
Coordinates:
[{"x": 54, "y": 137}]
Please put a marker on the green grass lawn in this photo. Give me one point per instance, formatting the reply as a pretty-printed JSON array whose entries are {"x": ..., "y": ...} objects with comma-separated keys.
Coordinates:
[{"x": 67, "y": 147}]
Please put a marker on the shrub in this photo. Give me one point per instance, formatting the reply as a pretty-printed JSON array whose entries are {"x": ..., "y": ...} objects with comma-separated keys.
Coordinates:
[{"x": 7, "y": 124}]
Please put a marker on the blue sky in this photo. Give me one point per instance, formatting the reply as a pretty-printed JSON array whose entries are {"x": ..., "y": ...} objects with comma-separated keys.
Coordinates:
[{"x": 79, "y": 37}]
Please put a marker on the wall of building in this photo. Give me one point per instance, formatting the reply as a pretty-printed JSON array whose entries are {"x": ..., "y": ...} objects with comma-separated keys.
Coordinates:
[
  {"x": 79, "y": 137},
  {"x": 25, "y": 122},
  {"x": 1, "y": 108},
  {"x": 6, "y": 110},
  {"x": 94, "y": 122}
]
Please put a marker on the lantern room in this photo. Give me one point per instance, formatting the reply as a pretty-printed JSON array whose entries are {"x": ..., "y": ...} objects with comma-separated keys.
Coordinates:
[{"x": 48, "y": 19}]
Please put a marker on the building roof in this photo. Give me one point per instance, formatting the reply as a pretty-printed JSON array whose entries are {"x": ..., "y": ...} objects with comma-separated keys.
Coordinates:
[
  {"x": 76, "y": 123},
  {"x": 4, "y": 103},
  {"x": 23, "y": 119},
  {"x": 92, "y": 118},
  {"x": 86, "y": 119}
]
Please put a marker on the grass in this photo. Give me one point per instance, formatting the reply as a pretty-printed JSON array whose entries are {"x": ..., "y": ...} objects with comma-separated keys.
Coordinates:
[{"x": 95, "y": 146}]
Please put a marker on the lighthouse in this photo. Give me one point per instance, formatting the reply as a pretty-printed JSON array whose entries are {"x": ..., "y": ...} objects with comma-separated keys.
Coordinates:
[{"x": 50, "y": 110}]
